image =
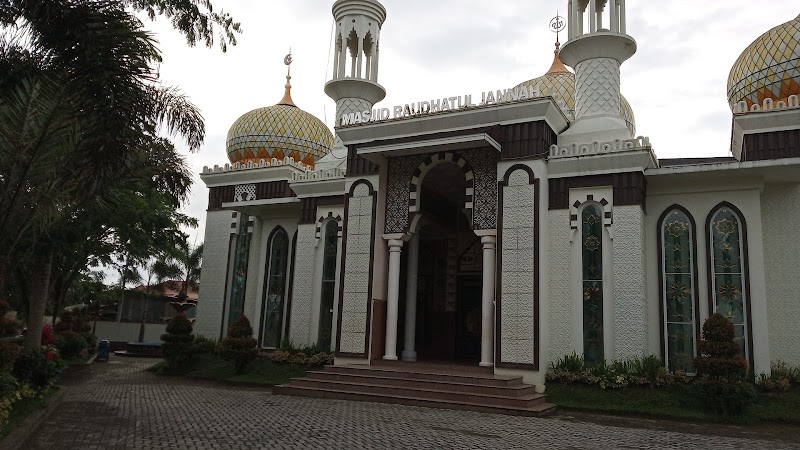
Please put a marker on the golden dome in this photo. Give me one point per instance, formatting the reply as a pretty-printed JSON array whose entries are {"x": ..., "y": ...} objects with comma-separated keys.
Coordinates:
[
  {"x": 559, "y": 83},
  {"x": 279, "y": 131},
  {"x": 768, "y": 68}
]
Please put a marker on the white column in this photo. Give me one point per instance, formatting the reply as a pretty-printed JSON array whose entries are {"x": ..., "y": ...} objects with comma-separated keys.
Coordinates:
[
  {"x": 622, "y": 27},
  {"x": 592, "y": 16},
  {"x": 374, "y": 75},
  {"x": 393, "y": 299},
  {"x": 487, "y": 302},
  {"x": 409, "y": 351},
  {"x": 612, "y": 5},
  {"x": 342, "y": 58}
]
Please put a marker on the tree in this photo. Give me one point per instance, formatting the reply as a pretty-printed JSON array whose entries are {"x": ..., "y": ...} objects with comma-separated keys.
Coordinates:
[
  {"x": 190, "y": 260},
  {"x": 78, "y": 106}
]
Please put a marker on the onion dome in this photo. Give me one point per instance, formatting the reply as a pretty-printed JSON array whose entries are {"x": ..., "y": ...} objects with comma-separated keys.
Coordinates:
[
  {"x": 279, "y": 131},
  {"x": 769, "y": 68},
  {"x": 559, "y": 83}
]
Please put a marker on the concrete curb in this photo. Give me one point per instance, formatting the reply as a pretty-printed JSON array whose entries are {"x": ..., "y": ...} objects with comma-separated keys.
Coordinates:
[{"x": 17, "y": 438}]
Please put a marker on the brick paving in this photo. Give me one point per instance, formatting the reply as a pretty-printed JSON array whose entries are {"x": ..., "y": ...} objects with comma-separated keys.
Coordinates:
[{"x": 120, "y": 406}]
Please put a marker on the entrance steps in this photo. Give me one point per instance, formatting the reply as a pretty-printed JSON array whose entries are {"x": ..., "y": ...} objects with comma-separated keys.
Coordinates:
[{"x": 448, "y": 386}]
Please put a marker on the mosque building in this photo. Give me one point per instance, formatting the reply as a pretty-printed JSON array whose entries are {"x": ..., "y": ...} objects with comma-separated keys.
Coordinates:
[{"x": 510, "y": 230}]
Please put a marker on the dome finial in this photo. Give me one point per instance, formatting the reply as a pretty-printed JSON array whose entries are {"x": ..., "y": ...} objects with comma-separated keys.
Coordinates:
[
  {"x": 287, "y": 96},
  {"x": 556, "y": 26}
]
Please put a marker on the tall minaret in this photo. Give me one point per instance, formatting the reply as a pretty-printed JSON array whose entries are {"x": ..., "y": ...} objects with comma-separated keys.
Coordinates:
[
  {"x": 596, "y": 53},
  {"x": 354, "y": 86}
]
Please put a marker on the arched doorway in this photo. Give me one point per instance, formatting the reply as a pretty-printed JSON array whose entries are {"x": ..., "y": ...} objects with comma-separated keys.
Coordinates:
[{"x": 448, "y": 314}]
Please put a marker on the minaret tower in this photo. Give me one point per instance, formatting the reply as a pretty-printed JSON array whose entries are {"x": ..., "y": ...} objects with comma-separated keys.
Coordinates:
[
  {"x": 596, "y": 51},
  {"x": 354, "y": 86}
]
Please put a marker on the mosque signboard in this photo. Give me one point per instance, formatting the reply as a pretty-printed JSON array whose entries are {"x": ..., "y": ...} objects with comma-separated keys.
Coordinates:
[{"x": 445, "y": 104}]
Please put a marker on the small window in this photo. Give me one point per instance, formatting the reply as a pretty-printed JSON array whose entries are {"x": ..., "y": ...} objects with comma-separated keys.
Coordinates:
[
  {"x": 728, "y": 273},
  {"x": 592, "y": 261},
  {"x": 678, "y": 290},
  {"x": 274, "y": 294}
]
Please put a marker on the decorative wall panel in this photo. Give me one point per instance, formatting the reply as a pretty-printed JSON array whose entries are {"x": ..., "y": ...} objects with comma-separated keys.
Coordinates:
[
  {"x": 356, "y": 292},
  {"x": 214, "y": 274},
  {"x": 517, "y": 237},
  {"x": 779, "y": 207},
  {"x": 630, "y": 303},
  {"x": 560, "y": 300},
  {"x": 303, "y": 292}
]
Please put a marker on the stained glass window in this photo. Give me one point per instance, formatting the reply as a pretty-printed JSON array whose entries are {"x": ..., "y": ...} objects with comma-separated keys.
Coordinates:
[
  {"x": 592, "y": 251},
  {"x": 239, "y": 280},
  {"x": 727, "y": 272},
  {"x": 328, "y": 293},
  {"x": 275, "y": 291},
  {"x": 678, "y": 290}
]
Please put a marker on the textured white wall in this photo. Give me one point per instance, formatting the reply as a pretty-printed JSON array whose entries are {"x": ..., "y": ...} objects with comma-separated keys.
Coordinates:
[
  {"x": 356, "y": 271},
  {"x": 302, "y": 294},
  {"x": 630, "y": 283},
  {"x": 214, "y": 273},
  {"x": 255, "y": 273},
  {"x": 559, "y": 293},
  {"x": 780, "y": 210},
  {"x": 517, "y": 271}
]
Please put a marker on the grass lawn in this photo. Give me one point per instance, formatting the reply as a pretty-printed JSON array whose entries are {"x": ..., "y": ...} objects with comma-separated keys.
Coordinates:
[
  {"x": 674, "y": 402},
  {"x": 262, "y": 371},
  {"x": 24, "y": 408}
]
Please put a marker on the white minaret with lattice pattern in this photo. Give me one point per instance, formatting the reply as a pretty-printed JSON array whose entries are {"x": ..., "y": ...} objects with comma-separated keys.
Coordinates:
[
  {"x": 597, "y": 47},
  {"x": 354, "y": 86}
]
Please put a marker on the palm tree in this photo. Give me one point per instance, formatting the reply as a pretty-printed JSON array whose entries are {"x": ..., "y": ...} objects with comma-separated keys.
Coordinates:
[
  {"x": 78, "y": 106},
  {"x": 156, "y": 270},
  {"x": 190, "y": 260}
]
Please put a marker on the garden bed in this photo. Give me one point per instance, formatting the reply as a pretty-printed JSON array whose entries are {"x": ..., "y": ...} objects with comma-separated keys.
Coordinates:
[
  {"x": 672, "y": 402},
  {"x": 261, "y": 372}
]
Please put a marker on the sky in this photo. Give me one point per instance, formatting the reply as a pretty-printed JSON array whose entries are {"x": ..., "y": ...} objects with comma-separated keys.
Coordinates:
[{"x": 676, "y": 82}]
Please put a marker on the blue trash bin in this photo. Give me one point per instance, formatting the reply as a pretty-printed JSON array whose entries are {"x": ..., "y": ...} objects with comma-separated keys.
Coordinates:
[{"x": 102, "y": 351}]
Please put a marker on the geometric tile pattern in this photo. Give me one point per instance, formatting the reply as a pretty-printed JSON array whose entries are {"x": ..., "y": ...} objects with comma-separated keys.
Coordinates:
[
  {"x": 559, "y": 290},
  {"x": 518, "y": 240},
  {"x": 561, "y": 86},
  {"x": 303, "y": 292},
  {"x": 768, "y": 68},
  {"x": 401, "y": 172},
  {"x": 597, "y": 87},
  {"x": 630, "y": 283},
  {"x": 779, "y": 206},
  {"x": 278, "y": 131},
  {"x": 213, "y": 288},
  {"x": 355, "y": 301}
]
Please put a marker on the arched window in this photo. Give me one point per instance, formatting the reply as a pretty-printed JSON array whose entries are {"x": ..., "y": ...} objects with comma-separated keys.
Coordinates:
[
  {"x": 274, "y": 293},
  {"x": 328, "y": 292},
  {"x": 728, "y": 283},
  {"x": 678, "y": 289},
  {"x": 240, "y": 261},
  {"x": 592, "y": 261}
]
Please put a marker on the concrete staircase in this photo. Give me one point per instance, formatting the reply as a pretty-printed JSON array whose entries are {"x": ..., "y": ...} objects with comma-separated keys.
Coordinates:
[{"x": 422, "y": 384}]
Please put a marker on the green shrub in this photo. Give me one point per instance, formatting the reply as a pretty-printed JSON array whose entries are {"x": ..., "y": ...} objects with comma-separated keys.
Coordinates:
[
  {"x": 77, "y": 321},
  {"x": 70, "y": 344},
  {"x": 203, "y": 345},
  {"x": 178, "y": 341},
  {"x": 239, "y": 347},
  {"x": 33, "y": 368},
  {"x": 8, "y": 327},
  {"x": 721, "y": 369},
  {"x": 8, "y": 354},
  {"x": 573, "y": 363},
  {"x": 647, "y": 371}
]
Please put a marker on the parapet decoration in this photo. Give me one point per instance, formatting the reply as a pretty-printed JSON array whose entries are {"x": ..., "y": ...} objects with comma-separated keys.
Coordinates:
[
  {"x": 318, "y": 175},
  {"x": 287, "y": 161},
  {"x": 599, "y": 148},
  {"x": 793, "y": 101}
]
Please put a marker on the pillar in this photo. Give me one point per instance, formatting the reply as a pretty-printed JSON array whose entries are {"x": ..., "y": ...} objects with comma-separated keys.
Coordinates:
[
  {"x": 409, "y": 351},
  {"x": 487, "y": 301},
  {"x": 393, "y": 299}
]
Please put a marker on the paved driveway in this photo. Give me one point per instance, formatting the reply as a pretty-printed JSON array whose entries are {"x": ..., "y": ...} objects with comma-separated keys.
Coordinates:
[{"x": 118, "y": 405}]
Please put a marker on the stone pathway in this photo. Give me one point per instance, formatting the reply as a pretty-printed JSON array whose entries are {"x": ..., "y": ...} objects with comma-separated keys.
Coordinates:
[{"x": 119, "y": 406}]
